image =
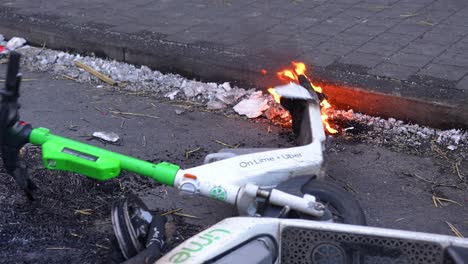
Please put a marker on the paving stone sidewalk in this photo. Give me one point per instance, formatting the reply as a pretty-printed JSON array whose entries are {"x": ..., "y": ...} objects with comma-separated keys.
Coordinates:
[{"x": 414, "y": 41}]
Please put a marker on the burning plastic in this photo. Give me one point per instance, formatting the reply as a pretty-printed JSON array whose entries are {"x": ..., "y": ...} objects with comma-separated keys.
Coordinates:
[{"x": 298, "y": 75}]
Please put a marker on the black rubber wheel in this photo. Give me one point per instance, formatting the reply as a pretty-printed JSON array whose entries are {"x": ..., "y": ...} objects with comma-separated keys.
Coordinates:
[
  {"x": 341, "y": 206},
  {"x": 340, "y": 203}
]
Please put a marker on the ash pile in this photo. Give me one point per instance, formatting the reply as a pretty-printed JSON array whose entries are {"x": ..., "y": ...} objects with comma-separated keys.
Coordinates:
[{"x": 223, "y": 97}]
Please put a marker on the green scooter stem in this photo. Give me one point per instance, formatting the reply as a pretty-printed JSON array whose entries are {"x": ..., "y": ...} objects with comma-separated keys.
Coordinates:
[{"x": 61, "y": 153}]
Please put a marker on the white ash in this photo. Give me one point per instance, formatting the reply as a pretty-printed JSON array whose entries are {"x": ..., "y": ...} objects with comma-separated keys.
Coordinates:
[
  {"x": 397, "y": 130},
  {"x": 130, "y": 77},
  {"x": 218, "y": 96}
]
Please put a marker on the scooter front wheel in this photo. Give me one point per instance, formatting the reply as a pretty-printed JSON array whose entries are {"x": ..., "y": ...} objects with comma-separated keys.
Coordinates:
[{"x": 340, "y": 205}]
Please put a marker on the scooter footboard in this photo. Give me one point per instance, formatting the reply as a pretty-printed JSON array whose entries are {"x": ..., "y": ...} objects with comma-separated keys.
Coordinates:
[
  {"x": 302, "y": 245},
  {"x": 295, "y": 241}
]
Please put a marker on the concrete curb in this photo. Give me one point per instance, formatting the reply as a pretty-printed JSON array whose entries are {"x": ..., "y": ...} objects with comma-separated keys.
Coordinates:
[{"x": 408, "y": 101}]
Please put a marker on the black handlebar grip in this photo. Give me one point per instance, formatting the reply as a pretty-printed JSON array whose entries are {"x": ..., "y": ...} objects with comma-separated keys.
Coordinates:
[{"x": 12, "y": 81}]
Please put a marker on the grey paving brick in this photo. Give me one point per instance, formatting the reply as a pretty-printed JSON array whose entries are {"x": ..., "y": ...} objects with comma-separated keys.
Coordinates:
[
  {"x": 362, "y": 59},
  {"x": 331, "y": 9},
  {"x": 408, "y": 59},
  {"x": 393, "y": 71},
  {"x": 381, "y": 2},
  {"x": 462, "y": 12},
  {"x": 300, "y": 43},
  {"x": 344, "y": 22},
  {"x": 435, "y": 16},
  {"x": 459, "y": 47},
  {"x": 414, "y": 30},
  {"x": 425, "y": 48},
  {"x": 356, "y": 14},
  {"x": 397, "y": 10},
  {"x": 385, "y": 50},
  {"x": 300, "y": 22},
  {"x": 457, "y": 21},
  {"x": 325, "y": 29},
  {"x": 317, "y": 59},
  {"x": 411, "y": 5},
  {"x": 443, "y": 39},
  {"x": 372, "y": 6},
  {"x": 351, "y": 39},
  {"x": 447, "y": 72},
  {"x": 463, "y": 84},
  {"x": 449, "y": 29},
  {"x": 455, "y": 59},
  {"x": 264, "y": 38},
  {"x": 364, "y": 29},
  {"x": 333, "y": 48},
  {"x": 274, "y": 10},
  {"x": 381, "y": 22},
  {"x": 394, "y": 39},
  {"x": 447, "y": 5}
]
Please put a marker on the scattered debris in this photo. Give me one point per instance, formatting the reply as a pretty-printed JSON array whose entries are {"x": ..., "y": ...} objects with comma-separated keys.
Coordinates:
[
  {"x": 426, "y": 22},
  {"x": 132, "y": 114},
  {"x": 433, "y": 183},
  {"x": 76, "y": 235},
  {"x": 107, "y": 136},
  {"x": 23, "y": 80},
  {"x": 439, "y": 201},
  {"x": 99, "y": 75},
  {"x": 171, "y": 211},
  {"x": 452, "y": 147},
  {"x": 186, "y": 215},
  {"x": 101, "y": 246},
  {"x": 15, "y": 43},
  {"x": 172, "y": 95},
  {"x": 84, "y": 211},
  {"x": 187, "y": 153},
  {"x": 226, "y": 86},
  {"x": 227, "y": 145},
  {"x": 179, "y": 111},
  {"x": 409, "y": 15},
  {"x": 252, "y": 107},
  {"x": 454, "y": 230},
  {"x": 215, "y": 105}
]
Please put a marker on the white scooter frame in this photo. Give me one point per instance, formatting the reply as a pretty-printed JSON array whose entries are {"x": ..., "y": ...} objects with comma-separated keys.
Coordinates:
[{"x": 242, "y": 179}]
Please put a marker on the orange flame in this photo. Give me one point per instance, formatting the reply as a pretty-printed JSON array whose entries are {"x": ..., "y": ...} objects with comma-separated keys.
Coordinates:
[
  {"x": 287, "y": 75},
  {"x": 275, "y": 95},
  {"x": 300, "y": 68},
  {"x": 293, "y": 76}
]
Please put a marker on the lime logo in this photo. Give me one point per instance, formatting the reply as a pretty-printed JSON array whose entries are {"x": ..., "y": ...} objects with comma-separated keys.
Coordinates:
[
  {"x": 197, "y": 244},
  {"x": 218, "y": 193}
]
